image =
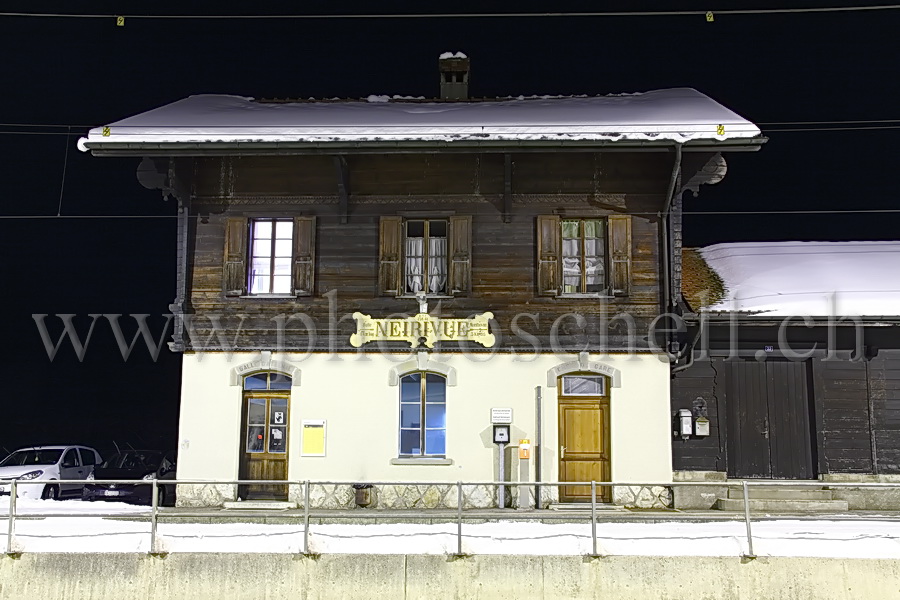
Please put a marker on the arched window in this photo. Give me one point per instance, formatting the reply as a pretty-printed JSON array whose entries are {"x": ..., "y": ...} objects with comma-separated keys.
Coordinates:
[
  {"x": 423, "y": 415},
  {"x": 267, "y": 381}
]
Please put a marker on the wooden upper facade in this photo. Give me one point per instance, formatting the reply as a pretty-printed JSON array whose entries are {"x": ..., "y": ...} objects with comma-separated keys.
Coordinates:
[{"x": 504, "y": 217}]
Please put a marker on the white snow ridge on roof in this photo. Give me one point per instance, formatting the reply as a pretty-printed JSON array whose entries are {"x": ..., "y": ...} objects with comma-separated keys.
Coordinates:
[
  {"x": 679, "y": 115},
  {"x": 808, "y": 278}
]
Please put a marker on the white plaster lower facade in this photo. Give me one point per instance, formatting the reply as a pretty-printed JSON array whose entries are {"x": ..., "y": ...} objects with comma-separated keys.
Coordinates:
[{"x": 357, "y": 396}]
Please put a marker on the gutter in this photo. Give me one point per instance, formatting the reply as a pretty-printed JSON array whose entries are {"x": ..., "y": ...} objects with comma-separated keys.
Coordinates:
[
  {"x": 750, "y": 319},
  {"x": 112, "y": 148}
]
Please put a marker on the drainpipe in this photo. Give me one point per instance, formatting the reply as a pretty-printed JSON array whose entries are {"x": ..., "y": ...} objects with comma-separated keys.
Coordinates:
[
  {"x": 537, "y": 446},
  {"x": 689, "y": 351},
  {"x": 666, "y": 288}
]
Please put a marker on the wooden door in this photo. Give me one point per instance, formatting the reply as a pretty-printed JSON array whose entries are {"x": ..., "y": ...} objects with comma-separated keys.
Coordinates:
[
  {"x": 769, "y": 420},
  {"x": 584, "y": 453},
  {"x": 264, "y": 445}
]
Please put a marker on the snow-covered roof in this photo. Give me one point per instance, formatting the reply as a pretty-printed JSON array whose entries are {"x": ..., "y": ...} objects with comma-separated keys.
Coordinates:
[
  {"x": 814, "y": 279},
  {"x": 673, "y": 115}
]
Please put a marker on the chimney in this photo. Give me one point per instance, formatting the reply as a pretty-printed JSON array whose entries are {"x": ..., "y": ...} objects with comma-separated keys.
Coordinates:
[{"x": 454, "y": 67}]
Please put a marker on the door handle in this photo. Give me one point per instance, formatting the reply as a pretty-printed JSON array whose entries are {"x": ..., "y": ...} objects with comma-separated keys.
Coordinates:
[{"x": 562, "y": 451}]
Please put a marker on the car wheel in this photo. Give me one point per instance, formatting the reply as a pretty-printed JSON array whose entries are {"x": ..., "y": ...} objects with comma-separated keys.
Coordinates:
[{"x": 51, "y": 492}]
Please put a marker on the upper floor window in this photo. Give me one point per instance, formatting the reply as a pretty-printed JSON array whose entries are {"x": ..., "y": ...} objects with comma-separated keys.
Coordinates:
[
  {"x": 588, "y": 256},
  {"x": 583, "y": 252},
  {"x": 425, "y": 257},
  {"x": 270, "y": 256},
  {"x": 422, "y": 254}
]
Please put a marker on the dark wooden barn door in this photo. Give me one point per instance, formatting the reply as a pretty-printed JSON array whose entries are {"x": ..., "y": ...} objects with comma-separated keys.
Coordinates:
[
  {"x": 264, "y": 444},
  {"x": 769, "y": 420}
]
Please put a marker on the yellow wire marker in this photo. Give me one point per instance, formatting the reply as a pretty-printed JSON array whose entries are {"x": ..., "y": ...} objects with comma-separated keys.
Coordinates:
[
  {"x": 106, "y": 132},
  {"x": 710, "y": 17},
  {"x": 720, "y": 130},
  {"x": 120, "y": 21}
]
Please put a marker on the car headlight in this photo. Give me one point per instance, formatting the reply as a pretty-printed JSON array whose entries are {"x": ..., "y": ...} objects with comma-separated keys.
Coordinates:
[
  {"x": 30, "y": 475},
  {"x": 149, "y": 477}
]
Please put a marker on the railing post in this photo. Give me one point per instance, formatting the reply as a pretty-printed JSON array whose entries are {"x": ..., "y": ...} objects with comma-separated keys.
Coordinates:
[
  {"x": 459, "y": 505},
  {"x": 750, "y": 553},
  {"x": 593, "y": 518},
  {"x": 306, "y": 517},
  {"x": 11, "y": 533},
  {"x": 154, "y": 514}
]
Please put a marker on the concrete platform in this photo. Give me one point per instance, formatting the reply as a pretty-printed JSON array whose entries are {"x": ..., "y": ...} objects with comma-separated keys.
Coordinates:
[{"x": 111, "y": 576}]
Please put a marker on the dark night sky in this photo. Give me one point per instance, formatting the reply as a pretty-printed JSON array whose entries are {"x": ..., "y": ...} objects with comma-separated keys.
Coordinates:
[{"x": 86, "y": 72}]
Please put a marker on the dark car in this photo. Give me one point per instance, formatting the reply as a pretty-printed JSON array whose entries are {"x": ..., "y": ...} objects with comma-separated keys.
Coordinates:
[{"x": 145, "y": 465}]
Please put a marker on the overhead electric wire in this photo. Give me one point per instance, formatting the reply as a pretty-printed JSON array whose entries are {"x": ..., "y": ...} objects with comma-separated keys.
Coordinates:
[
  {"x": 375, "y": 213},
  {"x": 471, "y": 15},
  {"x": 62, "y": 184}
]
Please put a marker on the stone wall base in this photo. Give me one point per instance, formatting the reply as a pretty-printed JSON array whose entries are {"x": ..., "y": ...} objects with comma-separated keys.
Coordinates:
[
  {"x": 866, "y": 498},
  {"x": 698, "y": 497}
]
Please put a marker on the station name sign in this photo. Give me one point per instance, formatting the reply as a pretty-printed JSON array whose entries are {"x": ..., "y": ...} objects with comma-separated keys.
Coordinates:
[{"x": 423, "y": 329}]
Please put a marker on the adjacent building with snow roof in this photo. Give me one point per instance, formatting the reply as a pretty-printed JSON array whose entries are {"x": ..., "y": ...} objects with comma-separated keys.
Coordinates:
[
  {"x": 407, "y": 290},
  {"x": 795, "y": 366}
]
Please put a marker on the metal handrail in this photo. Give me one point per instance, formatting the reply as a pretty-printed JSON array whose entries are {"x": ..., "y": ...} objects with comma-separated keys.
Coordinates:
[{"x": 154, "y": 509}]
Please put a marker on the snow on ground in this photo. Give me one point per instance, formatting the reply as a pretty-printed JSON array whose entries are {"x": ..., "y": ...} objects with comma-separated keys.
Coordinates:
[
  {"x": 870, "y": 538},
  {"x": 808, "y": 278},
  {"x": 679, "y": 114}
]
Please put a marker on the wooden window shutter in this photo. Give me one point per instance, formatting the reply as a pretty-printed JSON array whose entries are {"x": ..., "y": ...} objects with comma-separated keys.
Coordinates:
[
  {"x": 304, "y": 256},
  {"x": 235, "y": 274},
  {"x": 620, "y": 254},
  {"x": 390, "y": 253},
  {"x": 460, "y": 255},
  {"x": 548, "y": 251}
]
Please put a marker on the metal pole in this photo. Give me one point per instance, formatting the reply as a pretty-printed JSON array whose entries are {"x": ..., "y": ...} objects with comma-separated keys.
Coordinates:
[
  {"x": 750, "y": 552},
  {"x": 537, "y": 446},
  {"x": 306, "y": 517},
  {"x": 459, "y": 504},
  {"x": 154, "y": 514},
  {"x": 10, "y": 535},
  {"x": 593, "y": 518},
  {"x": 501, "y": 491}
]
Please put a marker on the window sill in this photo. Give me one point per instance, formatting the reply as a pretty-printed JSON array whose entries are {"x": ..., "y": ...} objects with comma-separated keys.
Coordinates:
[
  {"x": 587, "y": 296},
  {"x": 269, "y": 296},
  {"x": 422, "y": 461}
]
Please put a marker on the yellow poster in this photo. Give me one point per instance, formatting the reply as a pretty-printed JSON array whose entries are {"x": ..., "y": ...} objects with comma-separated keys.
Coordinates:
[{"x": 313, "y": 438}]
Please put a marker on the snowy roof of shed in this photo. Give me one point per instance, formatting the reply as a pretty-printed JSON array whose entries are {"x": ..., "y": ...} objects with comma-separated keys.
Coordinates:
[
  {"x": 816, "y": 279},
  {"x": 681, "y": 115}
]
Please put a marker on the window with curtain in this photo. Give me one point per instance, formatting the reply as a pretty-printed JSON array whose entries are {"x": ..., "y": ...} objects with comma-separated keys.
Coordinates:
[
  {"x": 425, "y": 257},
  {"x": 583, "y": 243},
  {"x": 271, "y": 254},
  {"x": 423, "y": 415}
]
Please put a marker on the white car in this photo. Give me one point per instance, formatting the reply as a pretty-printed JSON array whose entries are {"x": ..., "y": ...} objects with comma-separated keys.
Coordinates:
[{"x": 47, "y": 463}]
